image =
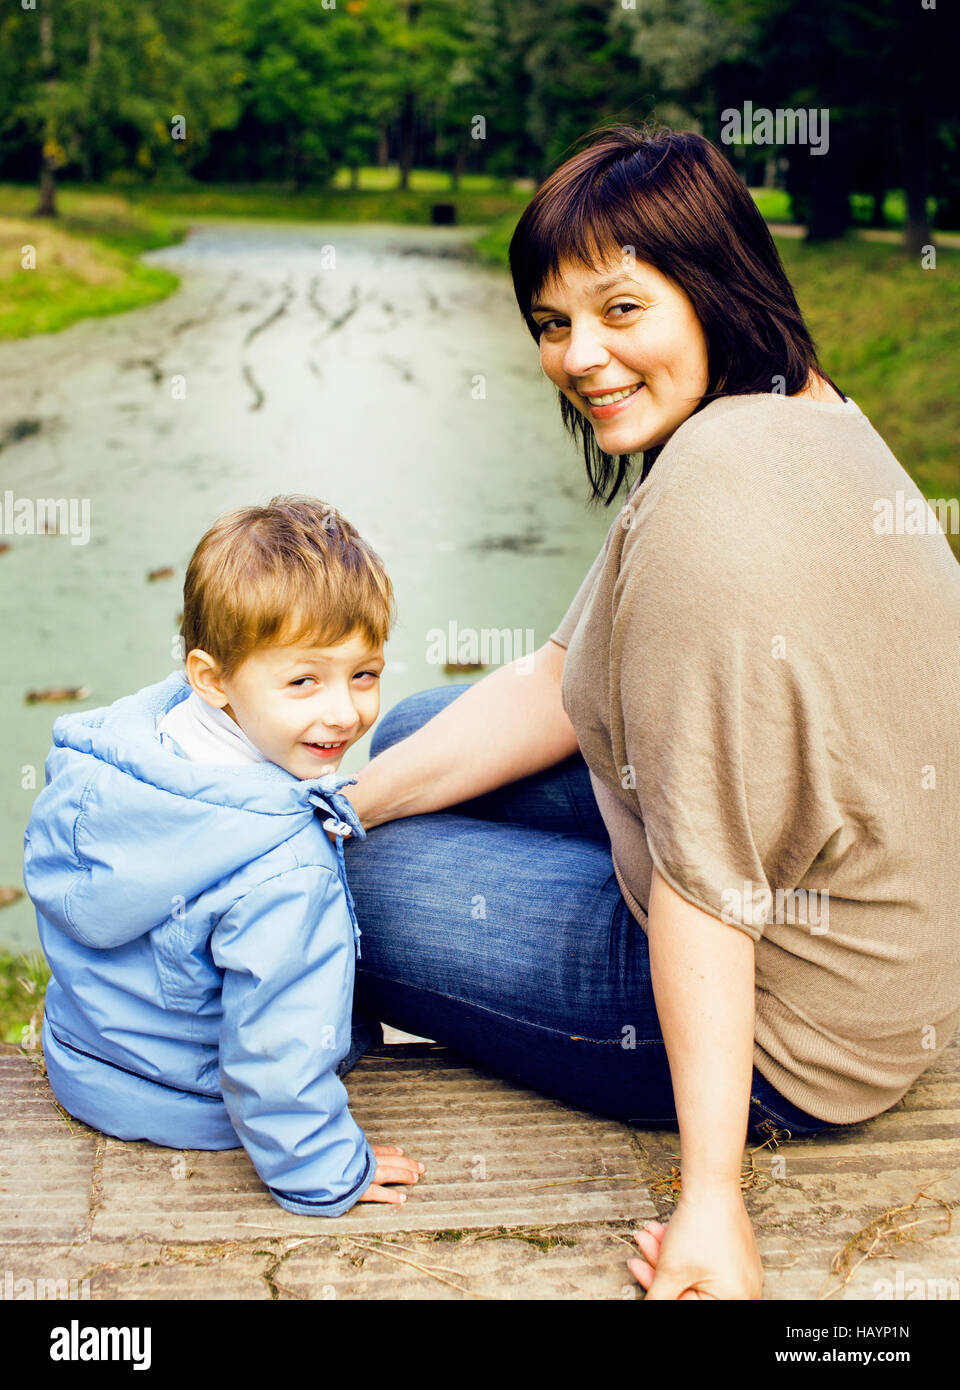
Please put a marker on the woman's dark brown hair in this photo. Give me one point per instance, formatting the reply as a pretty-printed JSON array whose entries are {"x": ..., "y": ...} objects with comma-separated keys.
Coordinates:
[{"x": 672, "y": 197}]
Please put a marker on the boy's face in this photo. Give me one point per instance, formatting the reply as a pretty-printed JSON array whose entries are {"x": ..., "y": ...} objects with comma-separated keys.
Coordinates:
[{"x": 289, "y": 700}]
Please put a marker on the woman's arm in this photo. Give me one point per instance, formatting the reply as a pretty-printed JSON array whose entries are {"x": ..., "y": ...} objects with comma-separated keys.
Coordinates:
[
  {"x": 509, "y": 724},
  {"x": 703, "y": 982}
]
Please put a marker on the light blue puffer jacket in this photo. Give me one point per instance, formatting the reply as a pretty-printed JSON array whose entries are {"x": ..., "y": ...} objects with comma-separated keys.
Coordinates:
[{"x": 202, "y": 939}]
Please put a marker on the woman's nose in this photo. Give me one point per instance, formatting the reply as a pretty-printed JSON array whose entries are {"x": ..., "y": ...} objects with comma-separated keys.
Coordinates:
[{"x": 585, "y": 352}]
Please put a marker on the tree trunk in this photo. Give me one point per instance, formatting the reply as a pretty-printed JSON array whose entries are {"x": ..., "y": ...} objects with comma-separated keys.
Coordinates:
[
  {"x": 829, "y": 189},
  {"x": 916, "y": 147},
  {"x": 383, "y": 148},
  {"x": 406, "y": 140},
  {"x": 47, "y": 206},
  {"x": 293, "y": 162},
  {"x": 93, "y": 61},
  {"x": 459, "y": 164}
]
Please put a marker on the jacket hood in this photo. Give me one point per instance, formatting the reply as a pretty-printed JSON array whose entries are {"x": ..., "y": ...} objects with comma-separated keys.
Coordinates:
[{"x": 90, "y": 862}]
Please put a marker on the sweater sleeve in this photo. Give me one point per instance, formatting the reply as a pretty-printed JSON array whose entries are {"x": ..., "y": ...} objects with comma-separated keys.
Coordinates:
[
  {"x": 564, "y": 630},
  {"x": 287, "y": 952}
]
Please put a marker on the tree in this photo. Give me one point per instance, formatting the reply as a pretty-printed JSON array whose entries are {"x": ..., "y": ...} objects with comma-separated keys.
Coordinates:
[
  {"x": 580, "y": 73},
  {"x": 886, "y": 66},
  {"x": 97, "y": 86}
]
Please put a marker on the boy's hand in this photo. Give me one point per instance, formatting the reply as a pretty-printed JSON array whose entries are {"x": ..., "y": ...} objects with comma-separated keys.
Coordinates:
[{"x": 392, "y": 1166}]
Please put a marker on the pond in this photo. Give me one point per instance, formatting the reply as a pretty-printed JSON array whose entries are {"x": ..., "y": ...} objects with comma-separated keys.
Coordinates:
[{"x": 375, "y": 367}]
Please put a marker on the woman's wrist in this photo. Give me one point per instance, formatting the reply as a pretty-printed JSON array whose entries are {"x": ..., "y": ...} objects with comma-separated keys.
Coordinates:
[
  {"x": 372, "y": 796},
  {"x": 358, "y": 796},
  {"x": 699, "y": 1190}
]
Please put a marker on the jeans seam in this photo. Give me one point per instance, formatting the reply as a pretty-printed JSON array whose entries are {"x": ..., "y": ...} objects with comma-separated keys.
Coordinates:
[
  {"x": 496, "y": 1013},
  {"x": 772, "y": 1114}
]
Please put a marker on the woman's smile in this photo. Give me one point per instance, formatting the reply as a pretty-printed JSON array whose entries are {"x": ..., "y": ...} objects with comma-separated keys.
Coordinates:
[{"x": 604, "y": 404}]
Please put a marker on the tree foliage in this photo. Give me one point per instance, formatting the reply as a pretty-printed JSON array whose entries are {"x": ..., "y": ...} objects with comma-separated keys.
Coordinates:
[{"x": 291, "y": 90}]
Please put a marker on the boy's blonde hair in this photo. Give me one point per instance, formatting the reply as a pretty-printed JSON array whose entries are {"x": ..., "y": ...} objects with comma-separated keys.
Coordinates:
[{"x": 294, "y": 571}]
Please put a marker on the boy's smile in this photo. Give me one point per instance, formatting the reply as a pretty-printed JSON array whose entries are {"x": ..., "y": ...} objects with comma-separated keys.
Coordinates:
[{"x": 302, "y": 707}]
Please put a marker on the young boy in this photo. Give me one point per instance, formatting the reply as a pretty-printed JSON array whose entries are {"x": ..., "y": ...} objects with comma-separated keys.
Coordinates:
[{"x": 191, "y": 904}]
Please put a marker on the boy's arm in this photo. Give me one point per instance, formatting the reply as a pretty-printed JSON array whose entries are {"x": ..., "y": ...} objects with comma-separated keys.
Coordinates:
[{"x": 287, "y": 952}]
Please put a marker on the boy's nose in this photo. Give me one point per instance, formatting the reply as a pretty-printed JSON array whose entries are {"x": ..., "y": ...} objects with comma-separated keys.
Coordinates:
[{"x": 340, "y": 724}]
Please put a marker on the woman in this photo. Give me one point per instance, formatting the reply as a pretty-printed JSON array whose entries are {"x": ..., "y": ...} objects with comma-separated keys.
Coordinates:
[{"x": 696, "y": 867}]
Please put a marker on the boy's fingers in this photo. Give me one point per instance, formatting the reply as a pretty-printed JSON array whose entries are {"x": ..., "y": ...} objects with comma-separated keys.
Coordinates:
[
  {"x": 376, "y": 1193},
  {"x": 399, "y": 1161},
  {"x": 396, "y": 1172}
]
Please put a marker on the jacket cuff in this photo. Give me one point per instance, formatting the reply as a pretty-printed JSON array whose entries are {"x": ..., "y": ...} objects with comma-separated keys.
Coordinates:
[{"x": 331, "y": 1206}]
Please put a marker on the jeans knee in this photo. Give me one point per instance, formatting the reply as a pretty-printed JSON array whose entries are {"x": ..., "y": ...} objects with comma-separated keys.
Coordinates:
[{"x": 411, "y": 713}]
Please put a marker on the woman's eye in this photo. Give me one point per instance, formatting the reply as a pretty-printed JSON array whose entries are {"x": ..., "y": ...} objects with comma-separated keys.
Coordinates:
[
  {"x": 301, "y": 679},
  {"x": 628, "y": 307}
]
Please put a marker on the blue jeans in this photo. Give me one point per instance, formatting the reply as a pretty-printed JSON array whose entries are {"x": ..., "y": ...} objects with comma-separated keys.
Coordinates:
[{"x": 497, "y": 928}]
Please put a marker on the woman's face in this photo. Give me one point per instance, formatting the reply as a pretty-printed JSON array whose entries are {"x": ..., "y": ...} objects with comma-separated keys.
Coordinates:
[{"x": 624, "y": 326}]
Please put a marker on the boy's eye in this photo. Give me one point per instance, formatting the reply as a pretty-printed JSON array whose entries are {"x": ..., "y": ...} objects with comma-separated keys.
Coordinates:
[{"x": 362, "y": 674}]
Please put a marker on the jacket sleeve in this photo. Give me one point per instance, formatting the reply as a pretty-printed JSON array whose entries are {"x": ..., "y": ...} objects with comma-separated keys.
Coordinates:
[{"x": 287, "y": 951}]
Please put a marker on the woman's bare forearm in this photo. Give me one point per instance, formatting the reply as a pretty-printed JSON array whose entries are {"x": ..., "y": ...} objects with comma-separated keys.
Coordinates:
[
  {"x": 702, "y": 971},
  {"x": 509, "y": 724}
]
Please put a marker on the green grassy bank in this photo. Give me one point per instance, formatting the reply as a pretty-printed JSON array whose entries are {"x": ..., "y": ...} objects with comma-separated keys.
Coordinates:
[
  {"x": 85, "y": 261},
  {"x": 23, "y": 983}
]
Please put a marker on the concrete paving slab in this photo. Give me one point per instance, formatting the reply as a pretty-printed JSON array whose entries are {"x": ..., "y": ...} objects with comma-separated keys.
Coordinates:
[
  {"x": 496, "y": 1155},
  {"x": 524, "y": 1198},
  {"x": 46, "y": 1163},
  {"x": 570, "y": 1262},
  {"x": 92, "y": 1270}
]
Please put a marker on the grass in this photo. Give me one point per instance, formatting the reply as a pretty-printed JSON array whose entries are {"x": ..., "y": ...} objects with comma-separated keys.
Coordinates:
[
  {"x": 892, "y": 1227},
  {"x": 86, "y": 260},
  {"x": 774, "y": 203},
  {"x": 23, "y": 983},
  {"x": 426, "y": 180},
  {"x": 888, "y": 333},
  {"x": 480, "y": 199}
]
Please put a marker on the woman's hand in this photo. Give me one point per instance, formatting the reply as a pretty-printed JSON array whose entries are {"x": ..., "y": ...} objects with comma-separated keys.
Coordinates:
[{"x": 706, "y": 1250}]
